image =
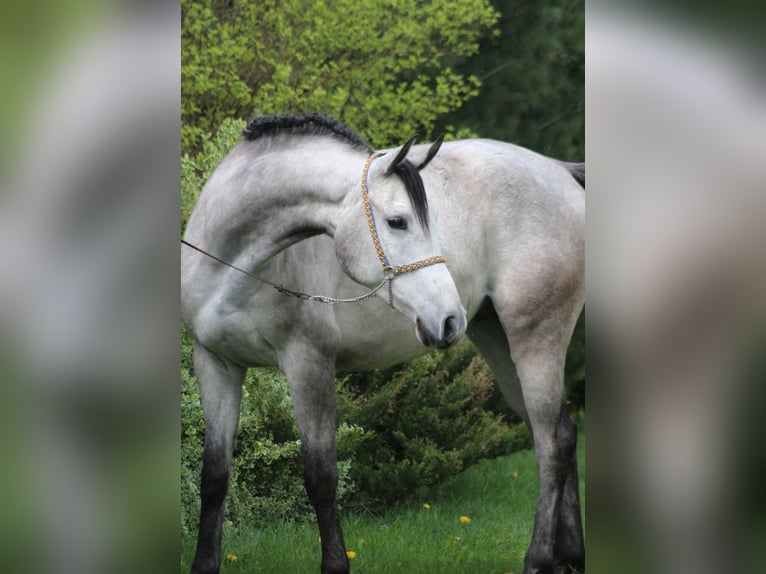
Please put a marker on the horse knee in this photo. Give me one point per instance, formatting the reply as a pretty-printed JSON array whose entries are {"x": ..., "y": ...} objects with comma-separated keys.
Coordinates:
[
  {"x": 215, "y": 479},
  {"x": 321, "y": 480}
]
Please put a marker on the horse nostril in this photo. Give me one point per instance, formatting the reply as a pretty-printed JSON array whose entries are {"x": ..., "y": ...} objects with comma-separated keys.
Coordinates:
[{"x": 449, "y": 329}]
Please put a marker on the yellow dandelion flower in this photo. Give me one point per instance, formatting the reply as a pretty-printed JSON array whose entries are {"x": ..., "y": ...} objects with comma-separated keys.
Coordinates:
[
  {"x": 426, "y": 505},
  {"x": 457, "y": 538},
  {"x": 465, "y": 519},
  {"x": 351, "y": 554},
  {"x": 231, "y": 557},
  {"x": 515, "y": 474}
]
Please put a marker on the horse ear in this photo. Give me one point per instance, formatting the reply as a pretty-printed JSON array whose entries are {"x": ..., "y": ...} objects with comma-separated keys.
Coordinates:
[
  {"x": 431, "y": 152},
  {"x": 401, "y": 154}
]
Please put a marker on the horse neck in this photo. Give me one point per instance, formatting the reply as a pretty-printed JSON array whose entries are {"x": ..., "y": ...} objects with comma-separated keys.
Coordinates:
[{"x": 267, "y": 198}]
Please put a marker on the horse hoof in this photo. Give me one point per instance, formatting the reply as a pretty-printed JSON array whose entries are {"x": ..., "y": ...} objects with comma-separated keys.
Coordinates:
[
  {"x": 539, "y": 569},
  {"x": 339, "y": 568},
  {"x": 574, "y": 566}
]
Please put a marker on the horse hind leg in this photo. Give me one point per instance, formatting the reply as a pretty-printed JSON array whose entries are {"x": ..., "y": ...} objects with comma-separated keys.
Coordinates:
[
  {"x": 486, "y": 333},
  {"x": 569, "y": 549},
  {"x": 543, "y": 392},
  {"x": 532, "y": 384},
  {"x": 539, "y": 353},
  {"x": 220, "y": 384},
  {"x": 311, "y": 377}
]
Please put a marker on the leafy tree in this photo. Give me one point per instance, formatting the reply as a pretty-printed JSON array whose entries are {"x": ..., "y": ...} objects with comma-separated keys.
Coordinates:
[
  {"x": 532, "y": 79},
  {"x": 382, "y": 66}
]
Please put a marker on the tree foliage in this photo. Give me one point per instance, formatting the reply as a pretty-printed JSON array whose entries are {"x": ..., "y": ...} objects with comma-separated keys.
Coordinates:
[
  {"x": 384, "y": 67},
  {"x": 532, "y": 77}
]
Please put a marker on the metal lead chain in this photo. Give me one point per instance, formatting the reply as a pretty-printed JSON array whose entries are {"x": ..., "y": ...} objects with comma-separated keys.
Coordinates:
[{"x": 333, "y": 300}]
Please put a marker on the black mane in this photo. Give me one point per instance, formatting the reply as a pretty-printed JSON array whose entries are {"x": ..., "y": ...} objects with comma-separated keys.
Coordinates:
[
  {"x": 308, "y": 124},
  {"x": 315, "y": 124}
]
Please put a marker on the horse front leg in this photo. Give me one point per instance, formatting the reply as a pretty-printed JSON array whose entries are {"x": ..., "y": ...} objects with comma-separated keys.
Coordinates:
[
  {"x": 220, "y": 384},
  {"x": 311, "y": 376}
]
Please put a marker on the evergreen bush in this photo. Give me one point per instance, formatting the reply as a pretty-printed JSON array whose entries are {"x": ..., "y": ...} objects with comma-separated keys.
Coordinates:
[{"x": 424, "y": 421}]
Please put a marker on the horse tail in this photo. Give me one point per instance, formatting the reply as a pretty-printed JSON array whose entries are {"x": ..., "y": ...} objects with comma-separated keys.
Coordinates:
[{"x": 578, "y": 172}]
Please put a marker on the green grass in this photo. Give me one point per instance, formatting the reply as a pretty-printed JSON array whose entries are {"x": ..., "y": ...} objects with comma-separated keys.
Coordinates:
[{"x": 408, "y": 538}]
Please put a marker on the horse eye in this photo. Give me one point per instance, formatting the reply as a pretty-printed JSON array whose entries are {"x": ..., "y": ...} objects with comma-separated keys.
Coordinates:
[{"x": 397, "y": 223}]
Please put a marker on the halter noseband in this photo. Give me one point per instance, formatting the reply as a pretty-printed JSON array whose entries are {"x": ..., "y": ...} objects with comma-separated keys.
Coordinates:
[{"x": 389, "y": 271}]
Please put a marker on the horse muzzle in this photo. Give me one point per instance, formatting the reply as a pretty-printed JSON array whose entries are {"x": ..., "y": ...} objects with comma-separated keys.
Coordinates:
[{"x": 450, "y": 330}]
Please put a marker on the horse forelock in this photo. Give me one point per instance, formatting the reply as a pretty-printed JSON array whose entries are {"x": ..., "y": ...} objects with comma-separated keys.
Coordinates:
[
  {"x": 416, "y": 191},
  {"x": 306, "y": 124}
]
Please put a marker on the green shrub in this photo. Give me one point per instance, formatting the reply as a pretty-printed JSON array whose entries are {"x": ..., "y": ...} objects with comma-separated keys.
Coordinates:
[
  {"x": 192, "y": 433},
  {"x": 423, "y": 422}
]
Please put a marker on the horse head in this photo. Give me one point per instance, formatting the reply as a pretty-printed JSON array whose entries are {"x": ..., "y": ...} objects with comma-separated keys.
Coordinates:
[{"x": 387, "y": 229}]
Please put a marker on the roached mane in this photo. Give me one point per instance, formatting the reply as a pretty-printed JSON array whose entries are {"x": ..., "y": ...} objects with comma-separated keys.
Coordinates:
[
  {"x": 315, "y": 124},
  {"x": 308, "y": 124}
]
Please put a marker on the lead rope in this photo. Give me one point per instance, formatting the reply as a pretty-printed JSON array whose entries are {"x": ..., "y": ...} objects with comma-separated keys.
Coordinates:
[
  {"x": 389, "y": 271},
  {"x": 300, "y": 294}
]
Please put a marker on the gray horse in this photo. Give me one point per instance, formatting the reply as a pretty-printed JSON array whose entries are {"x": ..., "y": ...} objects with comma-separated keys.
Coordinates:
[{"x": 303, "y": 203}]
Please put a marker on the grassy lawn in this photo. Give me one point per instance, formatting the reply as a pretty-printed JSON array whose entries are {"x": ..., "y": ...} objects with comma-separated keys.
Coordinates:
[{"x": 498, "y": 496}]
